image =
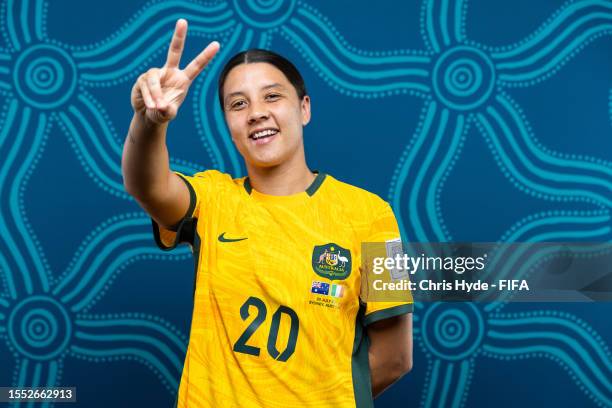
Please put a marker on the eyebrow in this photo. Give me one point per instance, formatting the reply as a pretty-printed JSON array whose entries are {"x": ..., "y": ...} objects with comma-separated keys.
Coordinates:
[{"x": 263, "y": 88}]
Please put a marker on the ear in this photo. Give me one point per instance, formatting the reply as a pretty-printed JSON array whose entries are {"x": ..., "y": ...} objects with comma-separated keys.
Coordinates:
[{"x": 305, "y": 106}]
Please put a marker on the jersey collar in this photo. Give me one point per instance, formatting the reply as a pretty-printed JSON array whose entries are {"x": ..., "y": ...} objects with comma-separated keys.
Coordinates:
[{"x": 316, "y": 183}]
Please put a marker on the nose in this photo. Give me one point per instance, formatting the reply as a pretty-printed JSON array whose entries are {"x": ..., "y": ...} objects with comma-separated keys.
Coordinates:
[{"x": 257, "y": 113}]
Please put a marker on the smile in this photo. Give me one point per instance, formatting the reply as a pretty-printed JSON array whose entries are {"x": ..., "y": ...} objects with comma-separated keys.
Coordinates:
[{"x": 263, "y": 136}]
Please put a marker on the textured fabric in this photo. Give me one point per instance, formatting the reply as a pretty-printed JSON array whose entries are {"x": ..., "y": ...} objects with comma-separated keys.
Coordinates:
[{"x": 269, "y": 327}]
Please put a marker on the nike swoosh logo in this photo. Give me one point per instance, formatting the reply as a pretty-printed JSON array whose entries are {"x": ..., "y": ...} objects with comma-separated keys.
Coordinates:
[{"x": 223, "y": 239}]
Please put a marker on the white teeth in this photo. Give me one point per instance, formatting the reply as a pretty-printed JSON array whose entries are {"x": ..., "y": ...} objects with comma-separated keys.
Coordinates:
[{"x": 263, "y": 133}]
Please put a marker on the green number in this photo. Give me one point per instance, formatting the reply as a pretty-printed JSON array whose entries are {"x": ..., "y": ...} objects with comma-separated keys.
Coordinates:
[
  {"x": 293, "y": 333},
  {"x": 241, "y": 347}
]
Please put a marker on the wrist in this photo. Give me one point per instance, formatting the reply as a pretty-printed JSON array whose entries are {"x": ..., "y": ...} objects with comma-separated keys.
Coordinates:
[
  {"x": 145, "y": 122},
  {"x": 143, "y": 129}
]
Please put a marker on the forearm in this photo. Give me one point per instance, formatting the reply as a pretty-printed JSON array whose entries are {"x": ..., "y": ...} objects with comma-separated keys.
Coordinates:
[
  {"x": 383, "y": 373},
  {"x": 390, "y": 351},
  {"x": 145, "y": 162}
]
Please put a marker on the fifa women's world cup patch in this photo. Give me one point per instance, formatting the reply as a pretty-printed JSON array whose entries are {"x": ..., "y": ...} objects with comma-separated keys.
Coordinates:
[{"x": 331, "y": 261}]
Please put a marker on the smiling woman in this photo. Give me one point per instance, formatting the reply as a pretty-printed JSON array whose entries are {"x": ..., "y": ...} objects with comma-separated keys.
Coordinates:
[
  {"x": 266, "y": 107},
  {"x": 279, "y": 319}
]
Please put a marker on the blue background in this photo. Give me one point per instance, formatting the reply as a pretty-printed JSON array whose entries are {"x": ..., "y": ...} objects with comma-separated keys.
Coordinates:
[{"x": 513, "y": 139}]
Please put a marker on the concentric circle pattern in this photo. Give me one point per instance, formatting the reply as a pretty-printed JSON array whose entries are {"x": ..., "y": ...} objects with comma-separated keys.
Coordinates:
[
  {"x": 39, "y": 327},
  {"x": 44, "y": 76},
  {"x": 264, "y": 13},
  {"x": 452, "y": 331},
  {"x": 463, "y": 78}
]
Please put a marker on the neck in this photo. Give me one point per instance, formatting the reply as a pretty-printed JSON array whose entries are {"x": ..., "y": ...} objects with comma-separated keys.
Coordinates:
[{"x": 281, "y": 180}]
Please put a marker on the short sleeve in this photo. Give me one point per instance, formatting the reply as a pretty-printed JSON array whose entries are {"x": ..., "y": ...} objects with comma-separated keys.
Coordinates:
[
  {"x": 384, "y": 228},
  {"x": 200, "y": 186}
]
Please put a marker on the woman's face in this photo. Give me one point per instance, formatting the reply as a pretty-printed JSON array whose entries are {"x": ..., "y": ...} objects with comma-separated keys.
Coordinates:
[{"x": 264, "y": 114}]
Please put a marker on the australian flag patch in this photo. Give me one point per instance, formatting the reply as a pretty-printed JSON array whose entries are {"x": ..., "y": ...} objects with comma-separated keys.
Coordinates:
[{"x": 320, "y": 288}]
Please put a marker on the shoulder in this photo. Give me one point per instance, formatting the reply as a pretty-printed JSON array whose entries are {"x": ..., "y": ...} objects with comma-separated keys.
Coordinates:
[
  {"x": 214, "y": 175},
  {"x": 216, "y": 180},
  {"x": 356, "y": 199},
  {"x": 370, "y": 216}
]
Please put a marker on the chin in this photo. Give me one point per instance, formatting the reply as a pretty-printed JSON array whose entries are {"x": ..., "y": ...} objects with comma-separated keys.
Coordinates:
[{"x": 266, "y": 161}]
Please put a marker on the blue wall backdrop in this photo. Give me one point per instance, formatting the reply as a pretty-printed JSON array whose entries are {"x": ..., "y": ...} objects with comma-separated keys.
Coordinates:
[{"x": 476, "y": 119}]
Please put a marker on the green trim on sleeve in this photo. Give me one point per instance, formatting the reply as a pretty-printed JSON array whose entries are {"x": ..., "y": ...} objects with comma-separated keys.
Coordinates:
[
  {"x": 185, "y": 232},
  {"x": 387, "y": 313},
  {"x": 360, "y": 364},
  {"x": 185, "y": 228},
  {"x": 192, "y": 203}
]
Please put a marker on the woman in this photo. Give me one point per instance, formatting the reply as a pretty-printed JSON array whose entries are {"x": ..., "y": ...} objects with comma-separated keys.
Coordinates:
[{"x": 277, "y": 318}]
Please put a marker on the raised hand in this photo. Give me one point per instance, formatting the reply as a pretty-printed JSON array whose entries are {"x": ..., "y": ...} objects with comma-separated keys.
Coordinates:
[{"x": 159, "y": 92}]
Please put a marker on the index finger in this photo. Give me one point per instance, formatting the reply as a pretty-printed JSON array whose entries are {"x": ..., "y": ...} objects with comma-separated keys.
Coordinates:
[
  {"x": 197, "y": 65},
  {"x": 176, "y": 45}
]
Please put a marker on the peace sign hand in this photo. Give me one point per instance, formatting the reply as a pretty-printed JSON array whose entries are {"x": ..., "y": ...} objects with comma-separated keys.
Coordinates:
[{"x": 159, "y": 92}]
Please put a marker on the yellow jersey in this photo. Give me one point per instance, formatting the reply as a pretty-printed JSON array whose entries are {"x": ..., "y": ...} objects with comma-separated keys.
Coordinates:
[{"x": 277, "y": 317}]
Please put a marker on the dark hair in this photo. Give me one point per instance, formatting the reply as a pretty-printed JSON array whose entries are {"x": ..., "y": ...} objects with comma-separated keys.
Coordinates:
[{"x": 259, "y": 55}]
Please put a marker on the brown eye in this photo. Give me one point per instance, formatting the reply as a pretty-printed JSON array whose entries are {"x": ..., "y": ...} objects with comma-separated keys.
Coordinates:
[
  {"x": 238, "y": 105},
  {"x": 272, "y": 97}
]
